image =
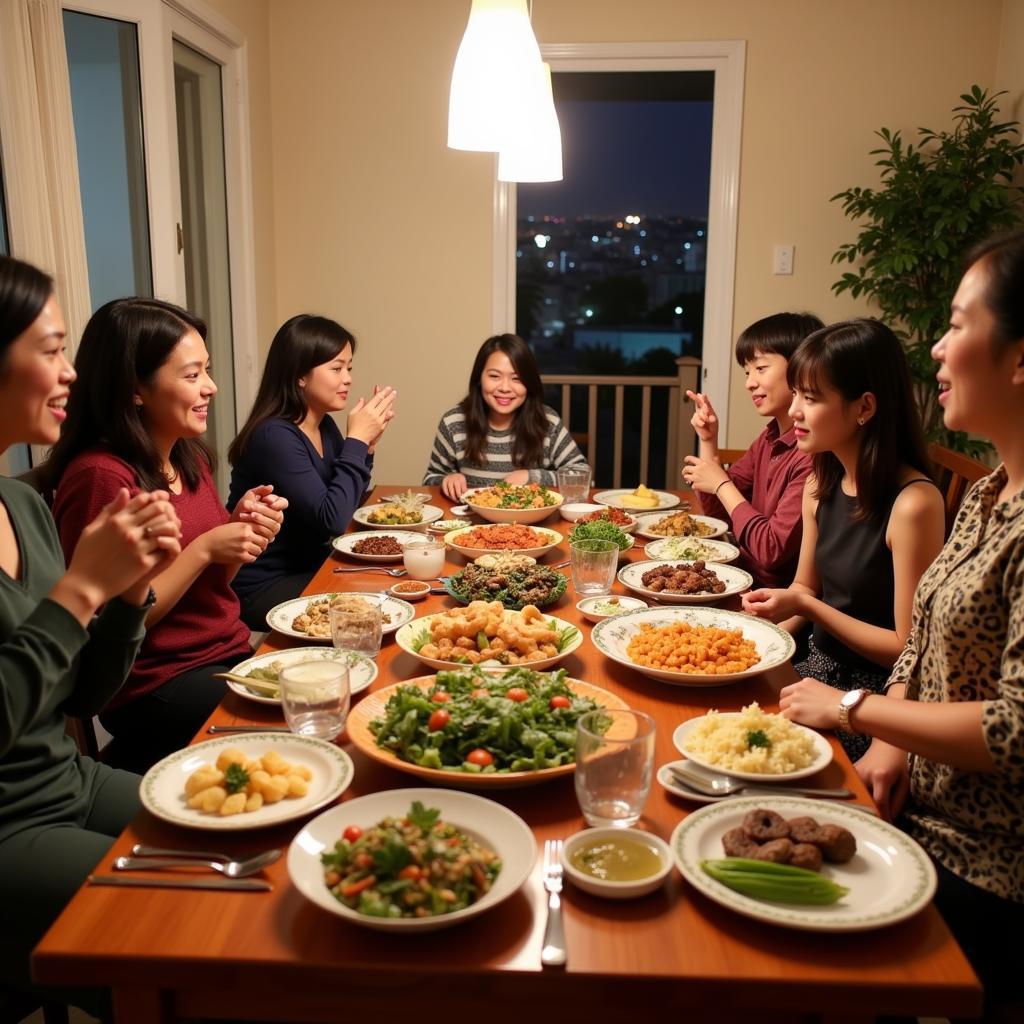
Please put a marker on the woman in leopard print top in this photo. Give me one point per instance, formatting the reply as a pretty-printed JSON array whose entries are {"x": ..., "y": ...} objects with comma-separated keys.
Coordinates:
[{"x": 962, "y": 670}]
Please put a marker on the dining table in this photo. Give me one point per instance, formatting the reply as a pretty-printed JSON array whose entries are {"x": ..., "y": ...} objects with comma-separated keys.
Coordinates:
[{"x": 170, "y": 955}]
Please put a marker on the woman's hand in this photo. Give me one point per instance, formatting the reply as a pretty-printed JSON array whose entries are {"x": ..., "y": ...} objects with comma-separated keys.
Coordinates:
[
  {"x": 454, "y": 486},
  {"x": 703, "y": 474},
  {"x": 518, "y": 477},
  {"x": 704, "y": 419},
  {"x": 811, "y": 702},
  {"x": 367, "y": 420},
  {"x": 774, "y": 605},
  {"x": 124, "y": 547},
  {"x": 885, "y": 772},
  {"x": 232, "y": 544},
  {"x": 262, "y": 510}
]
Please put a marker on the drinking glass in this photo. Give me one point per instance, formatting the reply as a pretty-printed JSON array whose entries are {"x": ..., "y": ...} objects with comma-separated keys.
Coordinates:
[
  {"x": 574, "y": 484},
  {"x": 357, "y": 625},
  {"x": 424, "y": 559},
  {"x": 593, "y": 566},
  {"x": 315, "y": 698},
  {"x": 614, "y": 766}
]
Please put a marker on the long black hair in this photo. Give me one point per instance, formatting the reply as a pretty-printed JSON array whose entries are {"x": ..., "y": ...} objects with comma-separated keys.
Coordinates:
[
  {"x": 854, "y": 357},
  {"x": 24, "y": 290},
  {"x": 530, "y": 422},
  {"x": 123, "y": 346},
  {"x": 301, "y": 344}
]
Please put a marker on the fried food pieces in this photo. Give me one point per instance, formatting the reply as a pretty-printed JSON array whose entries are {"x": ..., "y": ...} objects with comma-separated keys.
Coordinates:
[
  {"x": 696, "y": 650},
  {"x": 802, "y": 842},
  {"x": 484, "y": 631},
  {"x": 237, "y": 783}
]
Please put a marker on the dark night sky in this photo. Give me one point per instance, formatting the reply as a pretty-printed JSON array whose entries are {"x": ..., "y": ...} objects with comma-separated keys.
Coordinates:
[{"x": 628, "y": 157}]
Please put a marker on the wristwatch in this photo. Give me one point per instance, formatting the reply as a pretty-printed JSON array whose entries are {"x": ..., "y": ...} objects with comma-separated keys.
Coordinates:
[{"x": 850, "y": 700}]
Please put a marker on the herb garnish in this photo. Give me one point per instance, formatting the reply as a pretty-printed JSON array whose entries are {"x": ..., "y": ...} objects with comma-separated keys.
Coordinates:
[{"x": 758, "y": 738}]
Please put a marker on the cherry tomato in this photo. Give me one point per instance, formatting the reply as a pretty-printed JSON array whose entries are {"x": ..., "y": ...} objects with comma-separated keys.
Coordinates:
[
  {"x": 482, "y": 757},
  {"x": 441, "y": 697},
  {"x": 362, "y": 861},
  {"x": 481, "y": 693},
  {"x": 439, "y": 719},
  {"x": 411, "y": 871},
  {"x": 518, "y": 694},
  {"x": 558, "y": 701},
  {"x": 352, "y": 833}
]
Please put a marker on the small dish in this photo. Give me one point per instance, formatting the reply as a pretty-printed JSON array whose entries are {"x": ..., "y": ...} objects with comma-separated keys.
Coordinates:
[
  {"x": 447, "y": 525},
  {"x": 617, "y": 890},
  {"x": 591, "y": 607},
  {"x": 409, "y": 590},
  {"x": 575, "y": 509},
  {"x": 460, "y": 510}
]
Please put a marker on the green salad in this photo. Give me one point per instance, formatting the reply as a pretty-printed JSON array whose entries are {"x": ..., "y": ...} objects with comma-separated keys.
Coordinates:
[
  {"x": 479, "y": 722},
  {"x": 416, "y": 866},
  {"x": 600, "y": 529}
]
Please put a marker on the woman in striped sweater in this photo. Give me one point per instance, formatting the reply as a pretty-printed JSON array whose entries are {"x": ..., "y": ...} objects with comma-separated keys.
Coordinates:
[{"x": 501, "y": 430}]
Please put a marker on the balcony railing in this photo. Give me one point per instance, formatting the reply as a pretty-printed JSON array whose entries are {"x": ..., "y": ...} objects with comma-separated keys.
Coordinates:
[{"x": 680, "y": 436}]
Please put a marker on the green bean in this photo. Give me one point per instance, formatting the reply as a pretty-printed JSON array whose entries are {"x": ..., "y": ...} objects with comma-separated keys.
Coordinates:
[{"x": 780, "y": 883}]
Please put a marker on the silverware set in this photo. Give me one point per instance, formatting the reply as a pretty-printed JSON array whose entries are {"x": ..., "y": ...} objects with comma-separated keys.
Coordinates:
[
  {"x": 150, "y": 858},
  {"x": 552, "y": 953},
  {"x": 714, "y": 784}
]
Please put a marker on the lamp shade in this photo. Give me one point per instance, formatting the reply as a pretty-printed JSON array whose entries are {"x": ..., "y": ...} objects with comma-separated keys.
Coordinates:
[
  {"x": 493, "y": 68},
  {"x": 533, "y": 151}
]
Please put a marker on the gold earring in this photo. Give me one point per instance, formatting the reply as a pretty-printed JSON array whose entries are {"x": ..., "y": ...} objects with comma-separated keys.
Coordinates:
[{"x": 860, "y": 421}]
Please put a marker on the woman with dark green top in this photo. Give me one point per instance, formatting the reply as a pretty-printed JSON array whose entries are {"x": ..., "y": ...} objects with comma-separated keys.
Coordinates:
[{"x": 59, "y": 812}]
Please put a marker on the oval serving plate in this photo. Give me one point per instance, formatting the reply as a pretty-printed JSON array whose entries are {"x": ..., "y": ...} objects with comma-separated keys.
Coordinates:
[
  {"x": 774, "y": 644},
  {"x": 645, "y": 520},
  {"x": 690, "y": 549},
  {"x": 735, "y": 580},
  {"x": 344, "y": 545},
  {"x": 372, "y": 706},
  {"x": 430, "y": 513},
  {"x": 453, "y": 540},
  {"x": 281, "y": 616},
  {"x": 361, "y": 670}
]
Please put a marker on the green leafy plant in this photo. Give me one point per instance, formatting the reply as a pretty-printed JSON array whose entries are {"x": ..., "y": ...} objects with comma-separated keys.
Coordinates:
[{"x": 937, "y": 198}]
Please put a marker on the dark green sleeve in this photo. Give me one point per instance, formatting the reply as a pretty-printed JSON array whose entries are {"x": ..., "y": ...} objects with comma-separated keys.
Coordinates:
[{"x": 114, "y": 639}]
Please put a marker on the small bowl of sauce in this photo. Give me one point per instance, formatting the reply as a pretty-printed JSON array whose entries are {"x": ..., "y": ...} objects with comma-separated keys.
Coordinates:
[
  {"x": 409, "y": 590},
  {"x": 617, "y": 863}
]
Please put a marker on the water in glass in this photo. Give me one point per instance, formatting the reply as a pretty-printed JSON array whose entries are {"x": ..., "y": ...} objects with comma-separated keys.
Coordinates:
[
  {"x": 315, "y": 698},
  {"x": 614, "y": 766}
]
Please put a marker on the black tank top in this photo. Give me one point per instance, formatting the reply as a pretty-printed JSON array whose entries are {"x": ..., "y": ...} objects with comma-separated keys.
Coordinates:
[{"x": 855, "y": 570}]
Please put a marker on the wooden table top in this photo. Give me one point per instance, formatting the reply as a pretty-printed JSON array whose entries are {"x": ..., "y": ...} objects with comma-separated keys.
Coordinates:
[{"x": 275, "y": 956}]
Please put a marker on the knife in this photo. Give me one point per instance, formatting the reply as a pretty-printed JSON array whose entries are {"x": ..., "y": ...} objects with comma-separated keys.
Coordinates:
[
  {"x": 244, "y": 884},
  {"x": 214, "y": 729}
]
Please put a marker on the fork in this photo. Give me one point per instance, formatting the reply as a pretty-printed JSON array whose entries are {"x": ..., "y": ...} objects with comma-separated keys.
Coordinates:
[
  {"x": 376, "y": 568},
  {"x": 552, "y": 953}
]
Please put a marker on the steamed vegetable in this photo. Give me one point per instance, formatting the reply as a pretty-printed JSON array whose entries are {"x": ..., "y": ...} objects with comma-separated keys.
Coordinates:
[{"x": 779, "y": 883}]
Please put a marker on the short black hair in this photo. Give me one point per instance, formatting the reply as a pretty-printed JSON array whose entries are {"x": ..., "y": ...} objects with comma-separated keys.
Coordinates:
[
  {"x": 1003, "y": 258},
  {"x": 779, "y": 334}
]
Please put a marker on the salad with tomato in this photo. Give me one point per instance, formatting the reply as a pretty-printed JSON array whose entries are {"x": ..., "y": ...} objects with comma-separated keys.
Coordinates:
[
  {"x": 475, "y": 721},
  {"x": 416, "y": 866}
]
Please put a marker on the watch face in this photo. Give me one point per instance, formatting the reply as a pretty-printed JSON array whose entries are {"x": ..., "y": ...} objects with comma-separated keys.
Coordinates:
[{"x": 851, "y": 698}]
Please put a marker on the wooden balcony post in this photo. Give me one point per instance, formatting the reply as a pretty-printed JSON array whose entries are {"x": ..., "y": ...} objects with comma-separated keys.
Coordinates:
[{"x": 683, "y": 441}]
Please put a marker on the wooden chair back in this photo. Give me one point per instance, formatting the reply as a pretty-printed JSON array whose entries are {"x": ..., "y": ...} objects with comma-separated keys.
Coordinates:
[
  {"x": 727, "y": 456},
  {"x": 956, "y": 473}
]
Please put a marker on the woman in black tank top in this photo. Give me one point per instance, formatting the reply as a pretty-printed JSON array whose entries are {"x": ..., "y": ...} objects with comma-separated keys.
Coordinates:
[{"x": 873, "y": 519}]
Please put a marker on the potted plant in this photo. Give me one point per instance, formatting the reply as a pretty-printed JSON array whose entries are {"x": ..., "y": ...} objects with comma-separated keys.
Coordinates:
[{"x": 936, "y": 199}]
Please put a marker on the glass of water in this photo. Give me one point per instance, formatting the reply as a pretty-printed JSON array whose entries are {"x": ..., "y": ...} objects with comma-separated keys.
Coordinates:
[
  {"x": 315, "y": 697},
  {"x": 593, "y": 566},
  {"x": 357, "y": 622},
  {"x": 574, "y": 483},
  {"x": 614, "y": 766}
]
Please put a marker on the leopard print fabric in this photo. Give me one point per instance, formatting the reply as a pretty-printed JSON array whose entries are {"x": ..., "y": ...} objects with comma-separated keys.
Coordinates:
[{"x": 967, "y": 643}]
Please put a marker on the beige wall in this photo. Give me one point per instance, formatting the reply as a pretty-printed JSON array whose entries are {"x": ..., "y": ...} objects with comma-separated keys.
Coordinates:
[{"x": 376, "y": 223}]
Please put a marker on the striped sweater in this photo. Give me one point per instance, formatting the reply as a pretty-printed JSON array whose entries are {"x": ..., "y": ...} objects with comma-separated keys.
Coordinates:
[{"x": 448, "y": 453}]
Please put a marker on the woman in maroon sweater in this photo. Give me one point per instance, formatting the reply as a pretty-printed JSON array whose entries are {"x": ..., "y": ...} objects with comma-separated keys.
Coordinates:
[{"x": 135, "y": 420}]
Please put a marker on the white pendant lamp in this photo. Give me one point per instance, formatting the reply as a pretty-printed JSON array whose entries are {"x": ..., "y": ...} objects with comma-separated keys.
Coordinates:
[
  {"x": 496, "y": 62},
  {"x": 533, "y": 151}
]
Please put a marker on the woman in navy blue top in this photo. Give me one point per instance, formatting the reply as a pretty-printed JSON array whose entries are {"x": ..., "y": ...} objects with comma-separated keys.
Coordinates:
[{"x": 291, "y": 442}]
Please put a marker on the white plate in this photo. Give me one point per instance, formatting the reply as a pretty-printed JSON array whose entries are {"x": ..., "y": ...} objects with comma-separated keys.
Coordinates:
[
  {"x": 453, "y": 540},
  {"x": 774, "y": 644},
  {"x": 822, "y": 753},
  {"x": 460, "y": 511},
  {"x": 489, "y": 823},
  {"x": 281, "y": 616},
  {"x": 644, "y": 522},
  {"x": 589, "y": 605},
  {"x": 387, "y": 499},
  {"x": 735, "y": 580},
  {"x": 405, "y": 636},
  {"x": 430, "y": 514},
  {"x": 674, "y": 548},
  {"x": 344, "y": 544},
  {"x": 361, "y": 670},
  {"x": 162, "y": 790},
  {"x": 527, "y": 516},
  {"x": 667, "y": 781},
  {"x": 890, "y": 877},
  {"x": 614, "y": 497}
]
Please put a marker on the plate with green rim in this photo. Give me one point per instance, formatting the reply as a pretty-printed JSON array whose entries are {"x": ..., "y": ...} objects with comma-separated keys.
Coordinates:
[{"x": 361, "y": 670}]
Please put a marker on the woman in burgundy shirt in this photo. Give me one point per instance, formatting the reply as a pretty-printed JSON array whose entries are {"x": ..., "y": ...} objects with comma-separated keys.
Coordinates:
[{"x": 135, "y": 420}]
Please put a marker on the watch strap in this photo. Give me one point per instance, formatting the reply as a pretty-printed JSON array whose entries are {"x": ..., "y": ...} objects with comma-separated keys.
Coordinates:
[{"x": 847, "y": 705}]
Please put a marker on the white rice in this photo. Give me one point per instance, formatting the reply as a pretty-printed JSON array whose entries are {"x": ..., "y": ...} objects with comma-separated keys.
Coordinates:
[{"x": 722, "y": 741}]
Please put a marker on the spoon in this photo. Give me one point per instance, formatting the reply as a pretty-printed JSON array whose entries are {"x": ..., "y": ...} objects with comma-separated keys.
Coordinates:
[
  {"x": 723, "y": 785},
  {"x": 229, "y": 868},
  {"x": 376, "y": 568}
]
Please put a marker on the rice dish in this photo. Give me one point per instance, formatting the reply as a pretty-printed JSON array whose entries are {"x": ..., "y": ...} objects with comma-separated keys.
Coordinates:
[{"x": 751, "y": 741}]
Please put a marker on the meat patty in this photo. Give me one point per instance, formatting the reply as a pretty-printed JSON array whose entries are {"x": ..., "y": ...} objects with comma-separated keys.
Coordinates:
[
  {"x": 778, "y": 851},
  {"x": 804, "y": 830},
  {"x": 737, "y": 843},
  {"x": 806, "y": 855},
  {"x": 762, "y": 826},
  {"x": 837, "y": 844}
]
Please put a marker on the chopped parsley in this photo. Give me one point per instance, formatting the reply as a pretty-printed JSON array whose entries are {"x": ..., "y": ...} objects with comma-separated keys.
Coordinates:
[{"x": 758, "y": 738}]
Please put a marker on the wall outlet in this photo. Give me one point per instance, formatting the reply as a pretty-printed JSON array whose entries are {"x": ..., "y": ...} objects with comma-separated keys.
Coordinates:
[{"x": 782, "y": 259}]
